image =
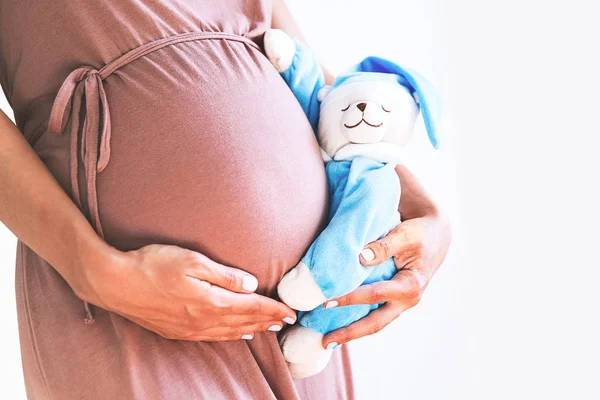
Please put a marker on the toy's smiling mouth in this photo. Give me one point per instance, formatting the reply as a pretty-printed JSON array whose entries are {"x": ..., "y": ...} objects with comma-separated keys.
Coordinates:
[{"x": 360, "y": 122}]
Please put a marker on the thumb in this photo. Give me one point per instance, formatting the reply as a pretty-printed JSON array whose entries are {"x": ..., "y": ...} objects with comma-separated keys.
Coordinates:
[{"x": 380, "y": 250}]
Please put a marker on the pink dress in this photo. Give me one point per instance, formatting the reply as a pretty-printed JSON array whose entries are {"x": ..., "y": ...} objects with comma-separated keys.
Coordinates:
[{"x": 166, "y": 124}]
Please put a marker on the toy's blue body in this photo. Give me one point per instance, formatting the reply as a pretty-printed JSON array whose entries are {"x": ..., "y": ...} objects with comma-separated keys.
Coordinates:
[
  {"x": 364, "y": 197},
  {"x": 362, "y": 123}
]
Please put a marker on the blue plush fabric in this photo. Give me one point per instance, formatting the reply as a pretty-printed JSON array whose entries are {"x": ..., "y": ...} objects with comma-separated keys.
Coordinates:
[
  {"x": 364, "y": 197},
  {"x": 325, "y": 320},
  {"x": 305, "y": 78}
]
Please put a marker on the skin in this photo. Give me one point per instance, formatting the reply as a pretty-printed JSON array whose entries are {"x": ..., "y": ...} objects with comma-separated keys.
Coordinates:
[
  {"x": 175, "y": 292},
  {"x": 282, "y": 19}
]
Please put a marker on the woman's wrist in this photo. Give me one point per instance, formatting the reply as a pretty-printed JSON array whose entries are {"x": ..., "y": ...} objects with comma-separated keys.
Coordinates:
[
  {"x": 96, "y": 265},
  {"x": 329, "y": 77},
  {"x": 414, "y": 201}
]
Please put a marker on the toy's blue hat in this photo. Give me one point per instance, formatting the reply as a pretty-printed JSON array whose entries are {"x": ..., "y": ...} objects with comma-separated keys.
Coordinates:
[{"x": 425, "y": 94}]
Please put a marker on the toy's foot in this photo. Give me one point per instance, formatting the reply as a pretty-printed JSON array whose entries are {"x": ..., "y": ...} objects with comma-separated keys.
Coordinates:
[
  {"x": 299, "y": 290},
  {"x": 303, "y": 352},
  {"x": 280, "y": 49},
  {"x": 299, "y": 371}
]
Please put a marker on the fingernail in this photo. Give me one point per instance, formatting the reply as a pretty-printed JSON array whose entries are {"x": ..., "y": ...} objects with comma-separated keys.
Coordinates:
[
  {"x": 367, "y": 254},
  {"x": 331, "y": 345},
  {"x": 275, "y": 328},
  {"x": 249, "y": 283},
  {"x": 247, "y": 337},
  {"x": 331, "y": 304},
  {"x": 289, "y": 320}
]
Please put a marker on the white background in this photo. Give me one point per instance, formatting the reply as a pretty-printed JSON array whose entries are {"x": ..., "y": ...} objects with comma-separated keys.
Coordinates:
[{"x": 512, "y": 313}]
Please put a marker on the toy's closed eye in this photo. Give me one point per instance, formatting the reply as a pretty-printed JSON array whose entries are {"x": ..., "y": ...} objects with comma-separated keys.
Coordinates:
[
  {"x": 345, "y": 109},
  {"x": 383, "y": 108}
]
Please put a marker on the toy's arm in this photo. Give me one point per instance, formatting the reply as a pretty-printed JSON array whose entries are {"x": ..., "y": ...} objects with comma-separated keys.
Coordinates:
[
  {"x": 299, "y": 68},
  {"x": 364, "y": 207}
]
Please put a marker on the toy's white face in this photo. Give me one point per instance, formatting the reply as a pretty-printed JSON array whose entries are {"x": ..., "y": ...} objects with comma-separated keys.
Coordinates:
[
  {"x": 365, "y": 121},
  {"x": 366, "y": 112}
]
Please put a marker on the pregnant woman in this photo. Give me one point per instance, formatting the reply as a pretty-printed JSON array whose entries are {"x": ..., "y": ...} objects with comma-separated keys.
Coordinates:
[{"x": 162, "y": 179}]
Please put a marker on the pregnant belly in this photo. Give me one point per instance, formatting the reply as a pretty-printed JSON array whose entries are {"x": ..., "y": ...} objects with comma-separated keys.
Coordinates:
[{"x": 210, "y": 151}]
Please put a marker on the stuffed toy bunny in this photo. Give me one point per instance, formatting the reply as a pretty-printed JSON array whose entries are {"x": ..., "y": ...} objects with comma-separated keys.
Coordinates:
[{"x": 362, "y": 123}]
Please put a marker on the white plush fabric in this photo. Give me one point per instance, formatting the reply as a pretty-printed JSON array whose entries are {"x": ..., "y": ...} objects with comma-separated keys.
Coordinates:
[
  {"x": 366, "y": 112},
  {"x": 304, "y": 370},
  {"x": 280, "y": 49},
  {"x": 381, "y": 151},
  {"x": 299, "y": 290},
  {"x": 302, "y": 349},
  {"x": 324, "y": 155}
]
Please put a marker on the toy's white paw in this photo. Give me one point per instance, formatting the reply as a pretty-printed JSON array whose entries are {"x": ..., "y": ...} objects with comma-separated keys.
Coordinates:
[
  {"x": 280, "y": 49},
  {"x": 299, "y": 371},
  {"x": 299, "y": 290},
  {"x": 303, "y": 352}
]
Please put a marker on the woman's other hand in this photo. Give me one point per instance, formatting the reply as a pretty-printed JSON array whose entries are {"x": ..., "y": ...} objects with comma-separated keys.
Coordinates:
[{"x": 418, "y": 245}]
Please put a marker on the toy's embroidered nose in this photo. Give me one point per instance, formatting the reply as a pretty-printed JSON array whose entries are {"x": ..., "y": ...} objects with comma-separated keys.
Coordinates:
[{"x": 362, "y": 106}]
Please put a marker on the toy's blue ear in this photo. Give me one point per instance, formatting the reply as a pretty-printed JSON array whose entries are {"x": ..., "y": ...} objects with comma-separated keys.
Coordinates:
[{"x": 424, "y": 93}]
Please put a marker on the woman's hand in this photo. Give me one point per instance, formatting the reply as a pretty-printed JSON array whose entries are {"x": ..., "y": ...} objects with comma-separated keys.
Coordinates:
[
  {"x": 418, "y": 245},
  {"x": 181, "y": 294}
]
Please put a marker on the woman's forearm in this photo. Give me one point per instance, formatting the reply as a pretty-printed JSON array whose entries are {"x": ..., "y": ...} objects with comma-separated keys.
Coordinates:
[
  {"x": 282, "y": 19},
  {"x": 414, "y": 201},
  {"x": 37, "y": 210}
]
